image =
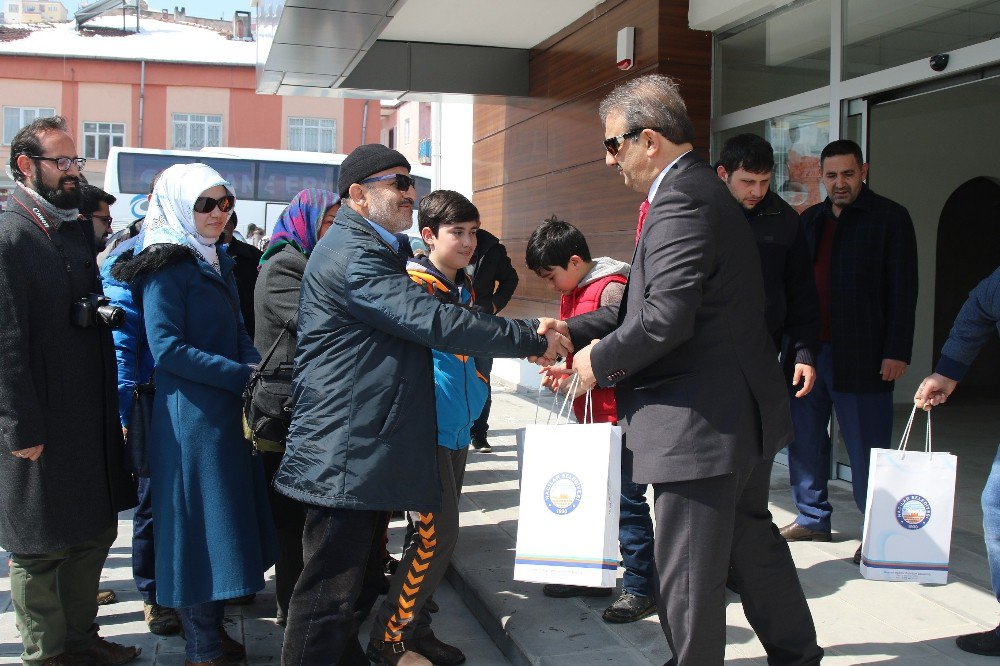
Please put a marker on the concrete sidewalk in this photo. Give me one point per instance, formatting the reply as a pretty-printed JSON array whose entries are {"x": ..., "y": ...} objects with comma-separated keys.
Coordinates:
[{"x": 858, "y": 621}]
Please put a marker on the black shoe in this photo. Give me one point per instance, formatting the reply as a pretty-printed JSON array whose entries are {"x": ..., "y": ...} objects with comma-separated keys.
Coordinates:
[
  {"x": 481, "y": 445},
  {"x": 401, "y": 653},
  {"x": 437, "y": 650},
  {"x": 985, "y": 643},
  {"x": 629, "y": 608},
  {"x": 565, "y": 591},
  {"x": 857, "y": 555}
]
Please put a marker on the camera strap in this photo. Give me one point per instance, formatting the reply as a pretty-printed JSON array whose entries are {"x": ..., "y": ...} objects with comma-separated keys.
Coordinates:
[{"x": 38, "y": 218}]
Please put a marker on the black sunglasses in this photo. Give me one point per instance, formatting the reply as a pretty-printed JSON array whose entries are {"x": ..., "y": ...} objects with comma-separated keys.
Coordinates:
[
  {"x": 614, "y": 144},
  {"x": 208, "y": 204},
  {"x": 403, "y": 182}
]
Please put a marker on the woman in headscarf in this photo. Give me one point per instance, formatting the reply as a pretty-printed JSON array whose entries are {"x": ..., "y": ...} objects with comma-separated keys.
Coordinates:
[
  {"x": 211, "y": 524},
  {"x": 276, "y": 309}
]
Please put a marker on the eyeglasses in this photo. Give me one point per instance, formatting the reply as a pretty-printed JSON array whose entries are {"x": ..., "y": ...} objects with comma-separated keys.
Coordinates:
[
  {"x": 614, "y": 143},
  {"x": 208, "y": 204},
  {"x": 106, "y": 220},
  {"x": 403, "y": 182},
  {"x": 63, "y": 163}
]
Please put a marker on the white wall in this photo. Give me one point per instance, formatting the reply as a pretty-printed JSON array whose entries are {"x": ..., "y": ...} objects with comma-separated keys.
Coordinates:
[{"x": 456, "y": 147}]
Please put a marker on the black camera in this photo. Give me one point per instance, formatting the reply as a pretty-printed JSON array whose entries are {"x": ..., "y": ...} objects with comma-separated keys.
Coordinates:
[
  {"x": 939, "y": 62},
  {"x": 96, "y": 310}
]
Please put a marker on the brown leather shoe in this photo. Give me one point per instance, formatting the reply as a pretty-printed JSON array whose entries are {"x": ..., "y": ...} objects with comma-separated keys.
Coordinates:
[
  {"x": 395, "y": 654},
  {"x": 796, "y": 532},
  {"x": 232, "y": 649},
  {"x": 105, "y": 653},
  {"x": 161, "y": 620},
  {"x": 59, "y": 660}
]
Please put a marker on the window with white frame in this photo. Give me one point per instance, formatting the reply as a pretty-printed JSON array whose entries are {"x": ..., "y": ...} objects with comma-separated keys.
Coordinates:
[
  {"x": 16, "y": 117},
  {"x": 99, "y": 137},
  {"x": 193, "y": 131},
  {"x": 318, "y": 135}
]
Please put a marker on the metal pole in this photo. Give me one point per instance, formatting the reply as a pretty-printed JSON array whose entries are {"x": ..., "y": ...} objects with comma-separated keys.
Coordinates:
[
  {"x": 364, "y": 124},
  {"x": 142, "y": 95}
]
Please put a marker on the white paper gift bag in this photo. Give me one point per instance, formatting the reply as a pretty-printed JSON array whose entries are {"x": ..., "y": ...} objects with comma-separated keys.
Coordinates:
[
  {"x": 570, "y": 489},
  {"x": 908, "y": 516}
]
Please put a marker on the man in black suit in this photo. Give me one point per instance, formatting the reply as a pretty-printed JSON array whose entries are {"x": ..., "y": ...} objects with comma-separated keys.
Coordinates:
[{"x": 700, "y": 395}]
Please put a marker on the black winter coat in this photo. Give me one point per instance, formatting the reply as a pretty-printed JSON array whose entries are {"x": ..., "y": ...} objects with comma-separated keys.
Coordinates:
[
  {"x": 58, "y": 388},
  {"x": 247, "y": 261},
  {"x": 493, "y": 277},
  {"x": 791, "y": 305},
  {"x": 873, "y": 287},
  {"x": 363, "y": 432}
]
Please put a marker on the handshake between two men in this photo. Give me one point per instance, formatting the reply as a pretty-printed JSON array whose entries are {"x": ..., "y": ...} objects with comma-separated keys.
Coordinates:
[{"x": 556, "y": 332}]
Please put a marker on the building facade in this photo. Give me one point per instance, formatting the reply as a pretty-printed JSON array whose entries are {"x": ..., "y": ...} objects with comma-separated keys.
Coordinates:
[{"x": 33, "y": 11}]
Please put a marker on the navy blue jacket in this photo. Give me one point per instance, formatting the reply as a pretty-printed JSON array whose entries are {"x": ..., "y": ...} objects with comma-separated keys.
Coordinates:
[
  {"x": 873, "y": 287},
  {"x": 977, "y": 321},
  {"x": 363, "y": 431}
]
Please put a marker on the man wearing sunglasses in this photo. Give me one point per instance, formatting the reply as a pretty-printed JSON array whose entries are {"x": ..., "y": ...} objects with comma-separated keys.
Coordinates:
[
  {"x": 700, "y": 395},
  {"x": 95, "y": 210},
  {"x": 364, "y": 428},
  {"x": 63, "y": 481}
]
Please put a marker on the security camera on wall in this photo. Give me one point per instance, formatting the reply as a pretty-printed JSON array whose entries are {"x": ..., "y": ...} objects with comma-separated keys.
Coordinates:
[{"x": 939, "y": 62}]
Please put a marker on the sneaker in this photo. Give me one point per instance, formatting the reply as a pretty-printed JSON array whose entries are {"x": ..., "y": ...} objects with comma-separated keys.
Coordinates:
[
  {"x": 481, "y": 445},
  {"x": 105, "y": 597},
  {"x": 566, "y": 591},
  {"x": 985, "y": 643},
  {"x": 629, "y": 608},
  {"x": 161, "y": 620}
]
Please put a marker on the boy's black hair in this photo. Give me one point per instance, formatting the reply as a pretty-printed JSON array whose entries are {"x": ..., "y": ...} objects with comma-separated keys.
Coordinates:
[
  {"x": 553, "y": 243},
  {"x": 842, "y": 147},
  {"x": 91, "y": 197},
  {"x": 445, "y": 207},
  {"x": 749, "y": 152}
]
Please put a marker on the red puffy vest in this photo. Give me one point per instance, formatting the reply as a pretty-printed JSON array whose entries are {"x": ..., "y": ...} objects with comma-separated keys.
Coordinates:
[{"x": 587, "y": 299}]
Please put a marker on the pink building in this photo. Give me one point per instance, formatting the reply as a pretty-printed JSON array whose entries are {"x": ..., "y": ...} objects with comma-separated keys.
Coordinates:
[
  {"x": 171, "y": 86},
  {"x": 406, "y": 126}
]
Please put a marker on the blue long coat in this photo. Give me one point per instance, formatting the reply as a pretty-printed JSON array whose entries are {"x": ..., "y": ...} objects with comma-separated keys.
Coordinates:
[{"x": 212, "y": 527}]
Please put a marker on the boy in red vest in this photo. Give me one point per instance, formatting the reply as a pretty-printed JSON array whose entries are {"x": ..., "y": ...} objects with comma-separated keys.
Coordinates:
[{"x": 557, "y": 252}]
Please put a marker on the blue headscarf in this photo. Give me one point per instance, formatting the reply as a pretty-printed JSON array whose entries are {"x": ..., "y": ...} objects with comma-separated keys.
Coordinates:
[{"x": 299, "y": 222}]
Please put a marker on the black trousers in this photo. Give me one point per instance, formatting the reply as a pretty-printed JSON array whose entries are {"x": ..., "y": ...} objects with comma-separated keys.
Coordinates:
[
  {"x": 341, "y": 575},
  {"x": 700, "y": 525},
  {"x": 289, "y": 522}
]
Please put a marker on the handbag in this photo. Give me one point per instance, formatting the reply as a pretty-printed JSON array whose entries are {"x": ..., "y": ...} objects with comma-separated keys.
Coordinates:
[
  {"x": 567, "y": 528},
  {"x": 140, "y": 417},
  {"x": 909, "y": 513},
  {"x": 266, "y": 415}
]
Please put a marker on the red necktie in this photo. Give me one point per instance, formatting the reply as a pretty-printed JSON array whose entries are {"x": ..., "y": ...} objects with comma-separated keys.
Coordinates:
[{"x": 643, "y": 209}]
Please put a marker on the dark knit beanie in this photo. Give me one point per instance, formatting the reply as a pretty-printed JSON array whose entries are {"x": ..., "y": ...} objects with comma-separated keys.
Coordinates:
[{"x": 366, "y": 160}]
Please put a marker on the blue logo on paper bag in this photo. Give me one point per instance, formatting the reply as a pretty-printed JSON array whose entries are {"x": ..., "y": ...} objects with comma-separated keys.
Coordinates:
[
  {"x": 563, "y": 493},
  {"x": 913, "y": 512}
]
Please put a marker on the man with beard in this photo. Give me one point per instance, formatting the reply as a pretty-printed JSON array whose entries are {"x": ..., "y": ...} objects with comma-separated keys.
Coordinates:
[
  {"x": 62, "y": 482},
  {"x": 95, "y": 210},
  {"x": 364, "y": 426},
  {"x": 864, "y": 254}
]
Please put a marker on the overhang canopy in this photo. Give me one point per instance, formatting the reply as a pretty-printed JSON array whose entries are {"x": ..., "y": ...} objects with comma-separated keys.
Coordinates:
[{"x": 403, "y": 49}]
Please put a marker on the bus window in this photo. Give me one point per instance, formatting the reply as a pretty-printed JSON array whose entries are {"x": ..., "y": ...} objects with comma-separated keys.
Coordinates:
[
  {"x": 136, "y": 170},
  {"x": 241, "y": 174},
  {"x": 423, "y": 188},
  {"x": 281, "y": 181}
]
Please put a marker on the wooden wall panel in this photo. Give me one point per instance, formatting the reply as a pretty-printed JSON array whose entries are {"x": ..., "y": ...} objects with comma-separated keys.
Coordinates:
[{"x": 538, "y": 156}]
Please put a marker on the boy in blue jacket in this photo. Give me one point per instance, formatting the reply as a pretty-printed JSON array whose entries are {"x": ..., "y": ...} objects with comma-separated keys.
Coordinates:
[{"x": 448, "y": 224}]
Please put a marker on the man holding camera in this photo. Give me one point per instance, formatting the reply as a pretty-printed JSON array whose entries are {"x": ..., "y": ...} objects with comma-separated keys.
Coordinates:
[{"x": 62, "y": 481}]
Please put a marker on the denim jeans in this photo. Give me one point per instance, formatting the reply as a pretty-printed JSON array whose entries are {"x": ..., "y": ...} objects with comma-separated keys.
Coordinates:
[
  {"x": 991, "y": 522},
  {"x": 865, "y": 420},
  {"x": 340, "y": 580},
  {"x": 202, "y": 630},
  {"x": 635, "y": 536},
  {"x": 143, "y": 560}
]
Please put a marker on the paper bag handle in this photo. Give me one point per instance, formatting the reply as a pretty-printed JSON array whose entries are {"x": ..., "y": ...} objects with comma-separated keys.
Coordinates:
[
  {"x": 567, "y": 401},
  {"x": 909, "y": 426}
]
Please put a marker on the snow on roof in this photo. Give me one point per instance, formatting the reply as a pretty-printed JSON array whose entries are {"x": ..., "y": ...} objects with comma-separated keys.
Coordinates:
[{"x": 157, "y": 40}]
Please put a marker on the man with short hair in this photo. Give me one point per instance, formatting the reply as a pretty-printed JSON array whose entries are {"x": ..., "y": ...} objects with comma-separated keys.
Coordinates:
[
  {"x": 364, "y": 427},
  {"x": 864, "y": 254},
  {"x": 699, "y": 391},
  {"x": 62, "y": 480},
  {"x": 791, "y": 306},
  {"x": 95, "y": 209}
]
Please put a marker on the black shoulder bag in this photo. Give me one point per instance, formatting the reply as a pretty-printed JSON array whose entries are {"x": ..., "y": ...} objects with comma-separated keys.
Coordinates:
[{"x": 266, "y": 415}]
